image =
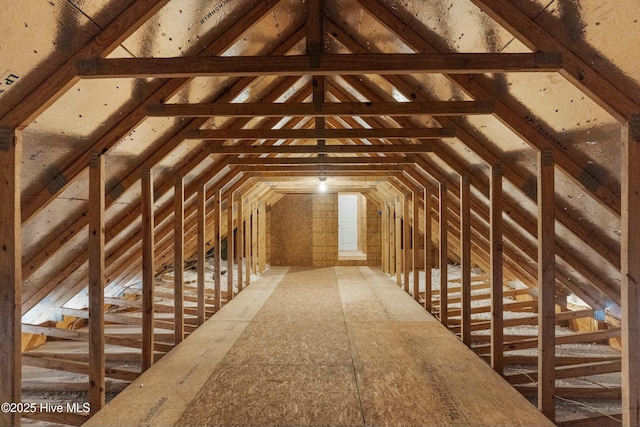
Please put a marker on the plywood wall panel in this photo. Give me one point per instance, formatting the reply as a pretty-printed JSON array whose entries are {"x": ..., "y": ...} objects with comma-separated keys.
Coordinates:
[{"x": 291, "y": 230}]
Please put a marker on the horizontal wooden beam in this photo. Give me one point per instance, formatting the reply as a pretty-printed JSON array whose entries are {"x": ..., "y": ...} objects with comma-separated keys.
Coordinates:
[
  {"x": 581, "y": 337},
  {"x": 65, "y": 418},
  {"x": 320, "y": 149},
  {"x": 321, "y": 160},
  {"x": 570, "y": 371},
  {"x": 75, "y": 335},
  {"x": 308, "y": 109},
  {"x": 378, "y": 133},
  {"x": 78, "y": 367},
  {"x": 574, "y": 392},
  {"x": 295, "y": 170},
  {"x": 613, "y": 420},
  {"x": 319, "y": 65}
]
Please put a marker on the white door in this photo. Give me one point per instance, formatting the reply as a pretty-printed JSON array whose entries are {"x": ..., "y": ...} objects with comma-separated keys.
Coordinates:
[{"x": 347, "y": 222}]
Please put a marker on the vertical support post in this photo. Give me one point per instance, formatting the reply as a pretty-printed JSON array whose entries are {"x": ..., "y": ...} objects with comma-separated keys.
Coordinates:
[
  {"x": 96, "y": 394},
  {"x": 10, "y": 272},
  {"x": 178, "y": 260},
  {"x": 444, "y": 257},
  {"x": 496, "y": 259},
  {"x": 406, "y": 253},
  {"x": 630, "y": 269},
  {"x": 428, "y": 293},
  {"x": 247, "y": 241},
  {"x": 262, "y": 230},
  {"x": 398, "y": 234},
  {"x": 201, "y": 254},
  {"x": 148, "y": 268},
  {"x": 254, "y": 237},
  {"x": 383, "y": 240},
  {"x": 392, "y": 238},
  {"x": 546, "y": 285},
  {"x": 465, "y": 258},
  {"x": 240, "y": 240},
  {"x": 217, "y": 253},
  {"x": 230, "y": 243},
  {"x": 416, "y": 252}
]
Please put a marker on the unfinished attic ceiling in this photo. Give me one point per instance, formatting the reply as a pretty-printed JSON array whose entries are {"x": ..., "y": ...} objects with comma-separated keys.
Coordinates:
[
  {"x": 260, "y": 98},
  {"x": 118, "y": 117}
]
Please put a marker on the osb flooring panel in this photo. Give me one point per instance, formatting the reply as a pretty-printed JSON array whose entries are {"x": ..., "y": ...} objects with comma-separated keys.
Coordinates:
[
  {"x": 344, "y": 346},
  {"x": 339, "y": 346},
  {"x": 163, "y": 393}
]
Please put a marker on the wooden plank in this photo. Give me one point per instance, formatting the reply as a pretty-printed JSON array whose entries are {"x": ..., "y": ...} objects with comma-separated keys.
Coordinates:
[
  {"x": 321, "y": 160},
  {"x": 519, "y": 306},
  {"x": 596, "y": 421},
  {"x": 581, "y": 337},
  {"x": 96, "y": 393},
  {"x": 148, "y": 267},
  {"x": 465, "y": 258},
  {"x": 254, "y": 237},
  {"x": 78, "y": 367},
  {"x": 262, "y": 239},
  {"x": 630, "y": 280},
  {"x": 398, "y": 240},
  {"x": 546, "y": 284},
  {"x": 178, "y": 259},
  {"x": 496, "y": 259},
  {"x": 65, "y": 418},
  {"x": 120, "y": 340},
  {"x": 201, "y": 251},
  {"x": 406, "y": 239},
  {"x": 217, "y": 251},
  {"x": 428, "y": 216},
  {"x": 347, "y": 133},
  {"x": 570, "y": 371},
  {"x": 230, "y": 244},
  {"x": 320, "y": 149},
  {"x": 307, "y": 109},
  {"x": 327, "y": 64},
  {"x": 574, "y": 392},
  {"x": 10, "y": 271},
  {"x": 560, "y": 360},
  {"x": 247, "y": 242},
  {"x": 415, "y": 225},
  {"x": 443, "y": 252},
  {"x": 240, "y": 241}
]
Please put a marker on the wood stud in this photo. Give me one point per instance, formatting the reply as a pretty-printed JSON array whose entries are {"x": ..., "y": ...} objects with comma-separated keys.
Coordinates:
[
  {"x": 546, "y": 284},
  {"x": 10, "y": 272},
  {"x": 96, "y": 393},
  {"x": 148, "y": 268},
  {"x": 630, "y": 288}
]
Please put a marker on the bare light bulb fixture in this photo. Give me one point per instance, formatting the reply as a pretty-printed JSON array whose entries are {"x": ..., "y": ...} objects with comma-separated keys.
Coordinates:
[{"x": 322, "y": 186}]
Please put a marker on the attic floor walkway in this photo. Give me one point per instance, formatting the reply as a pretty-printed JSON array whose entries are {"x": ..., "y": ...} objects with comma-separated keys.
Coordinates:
[{"x": 329, "y": 346}]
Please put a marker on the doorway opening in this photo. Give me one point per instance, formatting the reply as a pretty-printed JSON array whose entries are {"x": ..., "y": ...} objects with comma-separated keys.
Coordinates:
[{"x": 352, "y": 226}]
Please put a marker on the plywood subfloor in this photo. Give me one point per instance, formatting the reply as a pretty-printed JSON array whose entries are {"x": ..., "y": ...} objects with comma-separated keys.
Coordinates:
[{"x": 340, "y": 346}]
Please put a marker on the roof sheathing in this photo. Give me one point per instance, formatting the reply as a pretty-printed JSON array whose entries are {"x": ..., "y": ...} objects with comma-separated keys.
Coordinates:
[{"x": 453, "y": 27}]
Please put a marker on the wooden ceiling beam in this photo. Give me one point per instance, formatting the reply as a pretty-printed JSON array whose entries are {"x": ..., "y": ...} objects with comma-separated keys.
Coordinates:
[
  {"x": 320, "y": 64},
  {"x": 359, "y": 133},
  {"x": 295, "y": 170},
  {"x": 297, "y": 109},
  {"x": 320, "y": 149},
  {"x": 321, "y": 160}
]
